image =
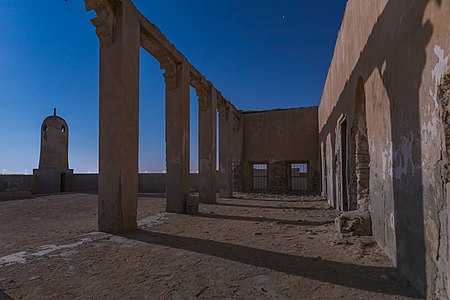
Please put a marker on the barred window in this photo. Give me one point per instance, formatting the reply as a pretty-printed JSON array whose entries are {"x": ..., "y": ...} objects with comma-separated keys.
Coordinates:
[
  {"x": 259, "y": 176},
  {"x": 299, "y": 177}
]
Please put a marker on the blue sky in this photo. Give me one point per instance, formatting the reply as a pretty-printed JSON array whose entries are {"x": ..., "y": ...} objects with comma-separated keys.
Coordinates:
[{"x": 260, "y": 54}]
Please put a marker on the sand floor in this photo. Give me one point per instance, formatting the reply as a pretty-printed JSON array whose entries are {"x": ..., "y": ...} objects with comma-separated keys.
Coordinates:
[{"x": 251, "y": 247}]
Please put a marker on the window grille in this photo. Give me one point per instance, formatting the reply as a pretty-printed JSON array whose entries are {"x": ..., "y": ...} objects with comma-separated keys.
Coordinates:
[
  {"x": 299, "y": 177},
  {"x": 259, "y": 176}
]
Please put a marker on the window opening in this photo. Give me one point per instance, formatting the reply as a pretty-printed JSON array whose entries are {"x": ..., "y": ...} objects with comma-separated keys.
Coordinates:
[
  {"x": 299, "y": 177},
  {"x": 259, "y": 176}
]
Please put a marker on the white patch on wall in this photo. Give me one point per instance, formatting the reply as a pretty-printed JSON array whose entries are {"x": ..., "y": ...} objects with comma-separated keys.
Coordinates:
[
  {"x": 430, "y": 115},
  {"x": 441, "y": 67},
  {"x": 403, "y": 156},
  {"x": 386, "y": 158},
  {"x": 392, "y": 222}
]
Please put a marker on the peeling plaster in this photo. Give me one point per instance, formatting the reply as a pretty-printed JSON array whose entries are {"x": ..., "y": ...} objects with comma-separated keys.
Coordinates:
[
  {"x": 403, "y": 156},
  {"x": 430, "y": 133},
  {"x": 441, "y": 67},
  {"x": 386, "y": 156},
  {"x": 392, "y": 221}
]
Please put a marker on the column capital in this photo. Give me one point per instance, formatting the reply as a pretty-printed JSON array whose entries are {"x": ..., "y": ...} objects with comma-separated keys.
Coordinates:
[
  {"x": 223, "y": 109},
  {"x": 104, "y": 22},
  {"x": 203, "y": 90},
  {"x": 202, "y": 95},
  {"x": 170, "y": 71}
]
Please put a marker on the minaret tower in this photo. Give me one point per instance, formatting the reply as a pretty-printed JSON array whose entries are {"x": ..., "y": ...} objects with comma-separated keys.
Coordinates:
[{"x": 52, "y": 175}]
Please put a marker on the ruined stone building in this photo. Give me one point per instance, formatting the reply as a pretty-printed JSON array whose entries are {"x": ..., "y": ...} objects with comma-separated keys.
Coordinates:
[
  {"x": 383, "y": 122},
  {"x": 377, "y": 146}
]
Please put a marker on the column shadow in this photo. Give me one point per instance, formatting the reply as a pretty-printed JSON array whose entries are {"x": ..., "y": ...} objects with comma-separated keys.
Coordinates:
[
  {"x": 263, "y": 219},
  {"x": 3, "y": 296},
  {"x": 268, "y": 207},
  {"x": 367, "y": 278}
]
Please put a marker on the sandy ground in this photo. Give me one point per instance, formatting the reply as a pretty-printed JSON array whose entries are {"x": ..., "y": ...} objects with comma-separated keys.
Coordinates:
[{"x": 249, "y": 248}]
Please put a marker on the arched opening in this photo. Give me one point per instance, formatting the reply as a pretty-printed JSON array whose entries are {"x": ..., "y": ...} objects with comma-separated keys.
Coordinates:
[
  {"x": 44, "y": 132},
  {"x": 362, "y": 155},
  {"x": 63, "y": 129}
]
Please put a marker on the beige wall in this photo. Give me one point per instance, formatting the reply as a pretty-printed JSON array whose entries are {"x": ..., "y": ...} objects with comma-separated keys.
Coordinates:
[
  {"x": 399, "y": 49},
  {"x": 280, "y": 137}
]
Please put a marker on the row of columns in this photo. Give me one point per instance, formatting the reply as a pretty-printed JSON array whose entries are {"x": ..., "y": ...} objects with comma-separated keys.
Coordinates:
[{"x": 118, "y": 28}]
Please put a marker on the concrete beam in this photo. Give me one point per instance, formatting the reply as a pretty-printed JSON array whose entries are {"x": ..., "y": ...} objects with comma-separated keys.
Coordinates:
[{"x": 157, "y": 44}]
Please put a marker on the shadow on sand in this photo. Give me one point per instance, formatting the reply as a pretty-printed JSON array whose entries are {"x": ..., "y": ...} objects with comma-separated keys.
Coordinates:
[{"x": 374, "y": 279}]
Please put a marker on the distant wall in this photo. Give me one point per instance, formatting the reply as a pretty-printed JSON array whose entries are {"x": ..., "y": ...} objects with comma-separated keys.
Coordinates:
[
  {"x": 24, "y": 186},
  {"x": 278, "y": 137},
  {"x": 148, "y": 182},
  {"x": 16, "y": 186}
]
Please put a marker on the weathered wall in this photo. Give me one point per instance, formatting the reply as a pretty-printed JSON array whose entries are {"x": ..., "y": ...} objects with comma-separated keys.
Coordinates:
[
  {"x": 54, "y": 144},
  {"x": 399, "y": 50},
  {"x": 16, "y": 186},
  {"x": 280, "y": 137},
  {"x": 148, "y": 182}
]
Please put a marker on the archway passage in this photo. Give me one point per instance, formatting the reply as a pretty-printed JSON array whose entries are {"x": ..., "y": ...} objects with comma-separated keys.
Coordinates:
[
  {"x": 357, "y": 216},
  {"x": 362, "y": 159}
]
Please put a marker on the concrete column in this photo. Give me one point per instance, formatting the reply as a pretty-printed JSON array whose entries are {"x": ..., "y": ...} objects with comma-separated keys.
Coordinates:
[
  {"x": 207, "y": 117},
  {"x": 225, "y": 151},
  {"x": 177, "y": 135},
  {"x": 118, "y": 26}
]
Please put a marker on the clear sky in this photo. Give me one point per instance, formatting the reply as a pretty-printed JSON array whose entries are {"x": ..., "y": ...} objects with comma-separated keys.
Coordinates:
[{"x": 260, "y": 54}]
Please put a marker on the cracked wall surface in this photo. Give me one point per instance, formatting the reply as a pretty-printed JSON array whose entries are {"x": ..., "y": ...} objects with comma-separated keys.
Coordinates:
[{"x": 400, "y": 50}]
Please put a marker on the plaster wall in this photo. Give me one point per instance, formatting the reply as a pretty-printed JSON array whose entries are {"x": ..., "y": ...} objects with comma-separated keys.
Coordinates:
[
  {"x": 399, "y": 49},
  {"x": 278, "y": 138}
]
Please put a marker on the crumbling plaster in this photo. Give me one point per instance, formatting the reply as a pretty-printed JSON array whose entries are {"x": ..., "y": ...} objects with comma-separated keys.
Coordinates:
[{"x": 399, "y": 48}]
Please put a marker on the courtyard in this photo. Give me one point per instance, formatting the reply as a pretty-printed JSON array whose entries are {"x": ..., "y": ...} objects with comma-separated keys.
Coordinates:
[{"x": 254, "y": 246}]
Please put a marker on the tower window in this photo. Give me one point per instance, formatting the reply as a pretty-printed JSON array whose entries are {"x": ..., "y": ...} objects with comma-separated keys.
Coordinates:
[{"x": 63, "y": 129}]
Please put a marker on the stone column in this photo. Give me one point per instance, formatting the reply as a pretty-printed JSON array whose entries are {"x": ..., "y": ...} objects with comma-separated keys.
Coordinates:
[
  {"x": 207, "y": 116},
  {"x": 225, "y": 150},
  {"x": 238, "y": 150},
  {"x": 118, "y": 29},
  {"x": 177, "y": 135}
]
